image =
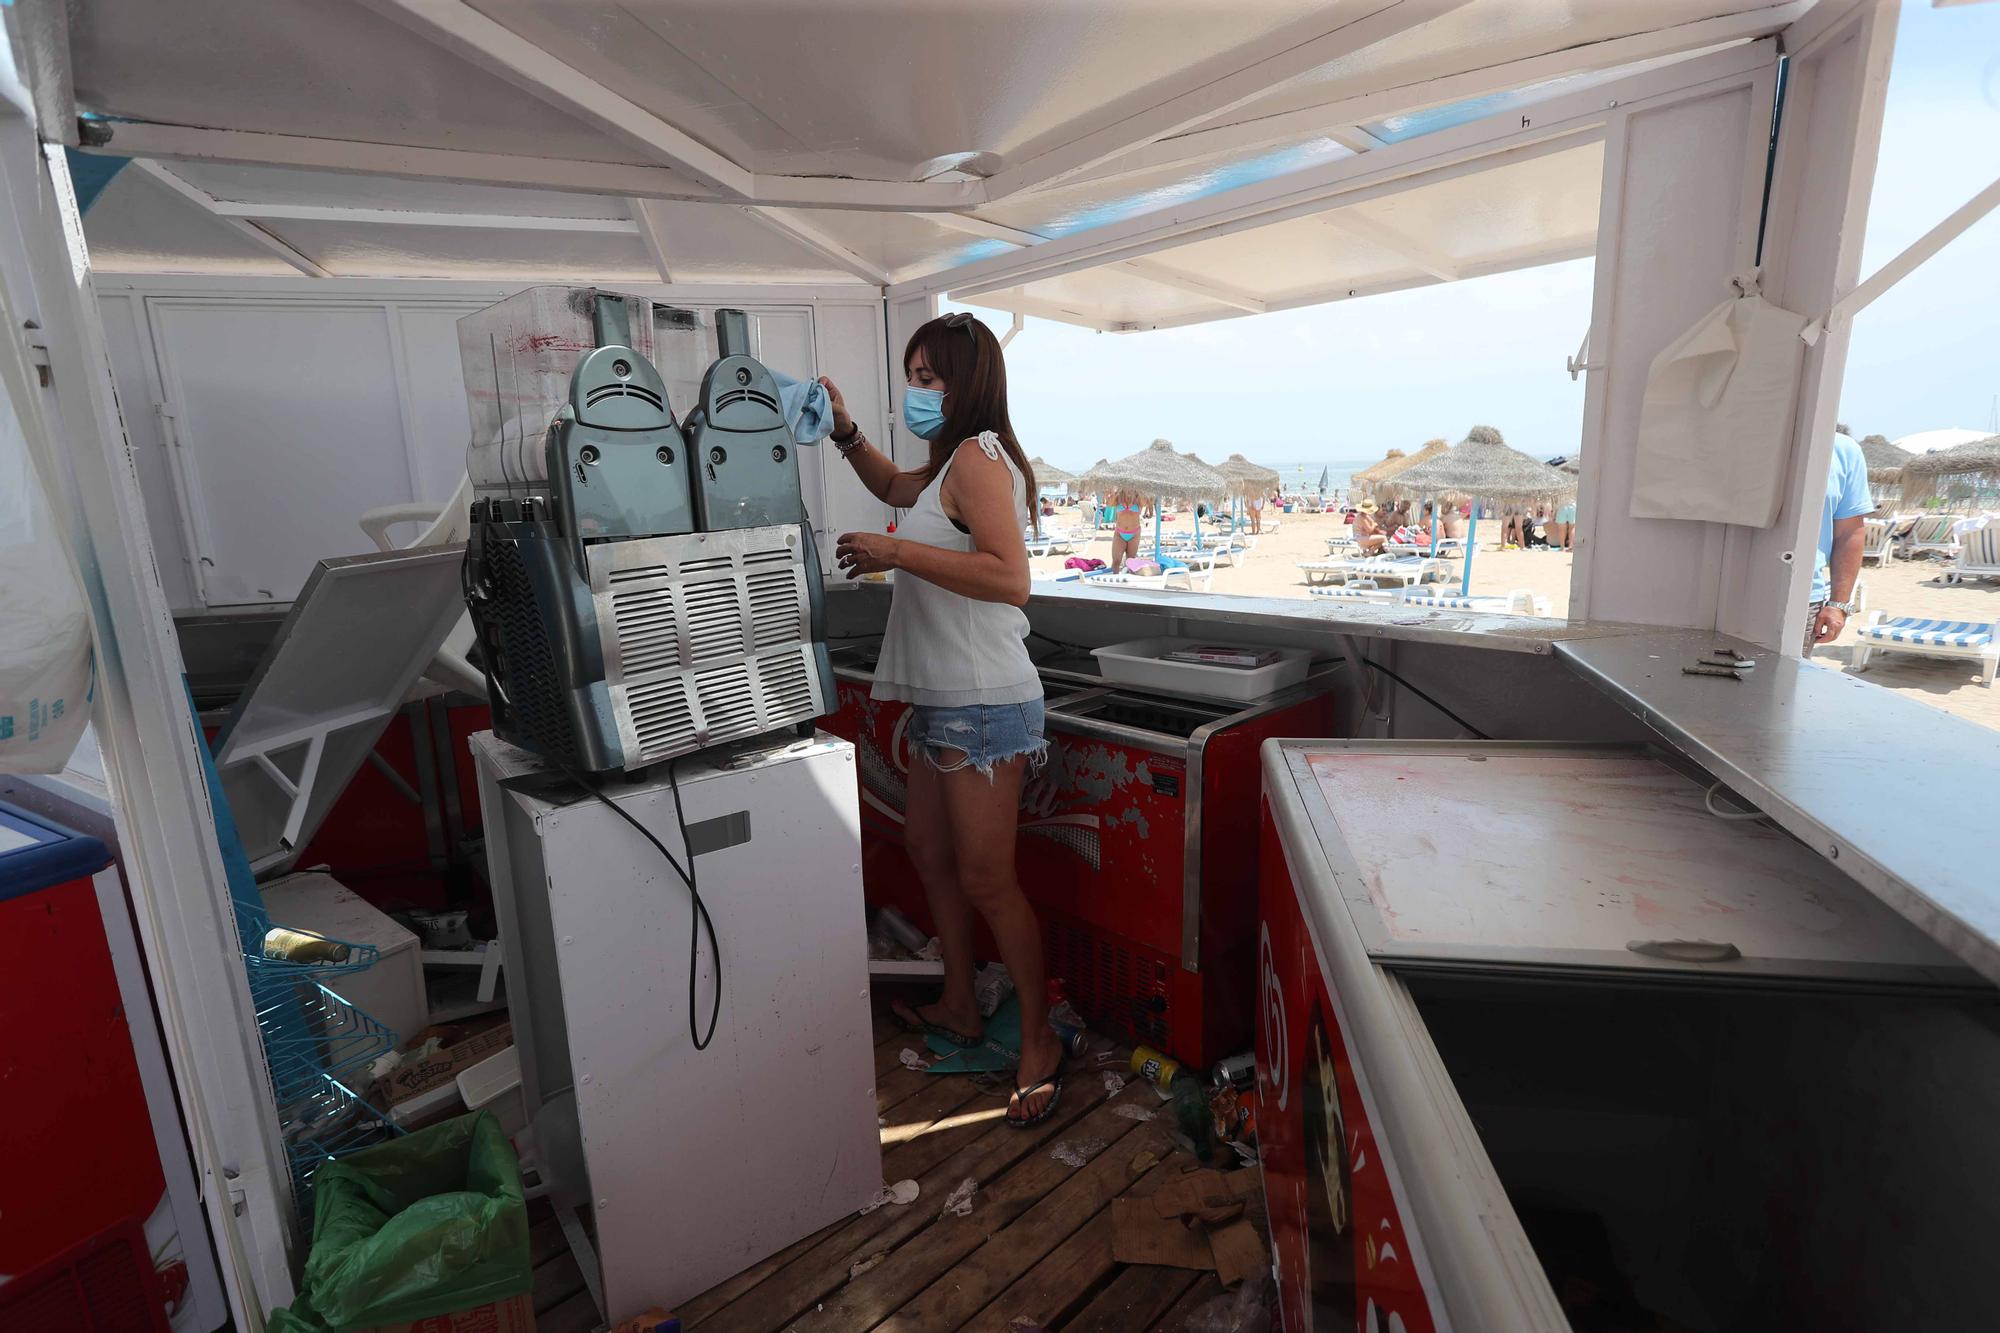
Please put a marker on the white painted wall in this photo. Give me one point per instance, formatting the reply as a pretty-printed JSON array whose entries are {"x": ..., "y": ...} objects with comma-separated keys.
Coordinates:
[{"x": 265, "y": 416}]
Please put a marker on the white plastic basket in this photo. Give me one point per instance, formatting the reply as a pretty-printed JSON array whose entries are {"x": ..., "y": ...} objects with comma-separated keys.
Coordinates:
[{"x": 1142, "y": 662}]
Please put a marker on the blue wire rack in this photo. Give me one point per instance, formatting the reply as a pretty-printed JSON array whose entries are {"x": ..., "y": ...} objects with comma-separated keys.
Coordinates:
[{"x": 317, "y": 1048}]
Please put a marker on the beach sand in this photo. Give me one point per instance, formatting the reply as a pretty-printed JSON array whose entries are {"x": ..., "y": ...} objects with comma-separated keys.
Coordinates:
[{"x": 1903, "y": 587}]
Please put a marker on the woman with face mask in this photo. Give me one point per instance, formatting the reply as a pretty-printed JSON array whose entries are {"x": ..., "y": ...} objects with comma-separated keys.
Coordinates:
[{"x": 955, "y": 651}]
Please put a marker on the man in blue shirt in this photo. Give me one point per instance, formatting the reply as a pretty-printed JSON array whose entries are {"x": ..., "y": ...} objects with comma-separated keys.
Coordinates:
[{"x": 1840, "y": 541}]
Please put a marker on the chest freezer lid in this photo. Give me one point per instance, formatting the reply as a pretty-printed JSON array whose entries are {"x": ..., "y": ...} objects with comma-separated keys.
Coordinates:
[{"x": 1560, "y": 857}]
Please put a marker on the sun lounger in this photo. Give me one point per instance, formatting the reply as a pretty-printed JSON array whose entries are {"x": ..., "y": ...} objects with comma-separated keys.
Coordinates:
[
  {"x": 1976, "y": 639},
  {"x": 1402, "y": 569},
  {"x": 1377, "y": 596},
  {"x": 1520, "y": 602},
  {"x": 1049, "y": 542},
  {"x": 1978, "y": 555},
  {"x": 1931, "y": 532},
  {"x": 1169, "y": 578},
  {"x": 1875, "y": 541}
]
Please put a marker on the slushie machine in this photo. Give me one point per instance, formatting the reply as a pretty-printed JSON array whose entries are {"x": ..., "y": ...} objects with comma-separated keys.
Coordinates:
[{"x": 673, "y": 849}]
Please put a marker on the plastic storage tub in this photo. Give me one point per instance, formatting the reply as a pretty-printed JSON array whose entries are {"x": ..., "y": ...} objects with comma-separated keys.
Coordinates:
[{"x": 1142, "y": 663}]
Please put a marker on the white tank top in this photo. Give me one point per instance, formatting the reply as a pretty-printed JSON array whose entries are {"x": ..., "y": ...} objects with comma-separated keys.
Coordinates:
[{"x": 942, "y": 649}]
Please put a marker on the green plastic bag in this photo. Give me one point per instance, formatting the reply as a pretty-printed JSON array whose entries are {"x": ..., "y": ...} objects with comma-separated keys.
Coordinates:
[{"x": 422, "y": 1225}]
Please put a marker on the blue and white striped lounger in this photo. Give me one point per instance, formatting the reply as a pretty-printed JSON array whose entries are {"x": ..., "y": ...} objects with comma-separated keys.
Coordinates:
[
  {"x": 1979, "y": 640},
  {"x": 1520, "y": 602},
  {"x": 1376, "y": 595}
]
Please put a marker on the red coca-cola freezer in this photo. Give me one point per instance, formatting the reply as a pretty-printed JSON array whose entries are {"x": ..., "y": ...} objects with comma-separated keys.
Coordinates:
[
  {"x": 1137, "y": 846},
  {"x": 1546, "y": 1044}
]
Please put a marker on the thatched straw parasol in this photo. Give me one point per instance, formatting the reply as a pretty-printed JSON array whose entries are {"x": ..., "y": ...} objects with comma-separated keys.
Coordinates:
[
  {"x": 1482, "y": 467},
  {"x": 1247, "y": 478},
  {"x": 1390, "y": 469},
  {"x": 1157, "y": 471},
  {"x": 1978, "y": 462},
  {"x": 1048, "y": 474},
  {"x": 1367, "y": 475},
  {"x": 1885, "y": 461}
]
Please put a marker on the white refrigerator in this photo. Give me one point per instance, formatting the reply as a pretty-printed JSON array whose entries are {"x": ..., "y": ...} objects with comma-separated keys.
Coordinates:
[{"x": 692, "y": 1164}]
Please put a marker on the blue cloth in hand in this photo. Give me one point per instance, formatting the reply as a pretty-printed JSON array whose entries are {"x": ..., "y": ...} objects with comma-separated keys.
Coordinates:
[{"x": 807, "y": 406}]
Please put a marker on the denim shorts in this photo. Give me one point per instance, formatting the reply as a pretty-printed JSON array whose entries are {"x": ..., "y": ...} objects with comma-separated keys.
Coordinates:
[{"x": 988, "y": 734}]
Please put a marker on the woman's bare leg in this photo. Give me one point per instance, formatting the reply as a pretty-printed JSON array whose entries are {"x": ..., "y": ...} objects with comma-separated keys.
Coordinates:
[
  {"x": 983, "y": 815},
  {"x": 927, "y": 838}
]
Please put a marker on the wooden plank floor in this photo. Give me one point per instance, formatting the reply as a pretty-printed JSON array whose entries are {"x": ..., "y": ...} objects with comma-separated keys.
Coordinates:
[{"x": 1034, "y": 1251}]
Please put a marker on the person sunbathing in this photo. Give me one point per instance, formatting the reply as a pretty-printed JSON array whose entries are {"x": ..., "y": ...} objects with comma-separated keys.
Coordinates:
[{"x": 1368, "y": 532}]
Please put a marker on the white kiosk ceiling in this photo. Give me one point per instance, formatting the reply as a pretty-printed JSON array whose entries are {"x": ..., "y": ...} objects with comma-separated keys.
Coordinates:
[{"x": 923, "y": 148}]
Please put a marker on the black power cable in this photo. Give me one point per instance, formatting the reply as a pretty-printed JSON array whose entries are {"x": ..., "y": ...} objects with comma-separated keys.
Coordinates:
[
  {"x": 1377, "y": 666},
  {"x": 698, "y": 917}
]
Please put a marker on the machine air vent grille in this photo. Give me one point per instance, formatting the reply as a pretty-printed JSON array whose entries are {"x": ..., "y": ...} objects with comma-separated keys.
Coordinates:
[
  {"x": 1124, "y": 993},
  {"x": 661, "y": 718},
  {"x": 623, "y": 390},
  {"x": 518, "y": 638},
  {"x": 728, "y": 702},
  {"x": 733, "y": 396},
  {"x": 777, "y": 612},
  {"x": 648, "y": 632},
  {"x": 714, "y": 620}
]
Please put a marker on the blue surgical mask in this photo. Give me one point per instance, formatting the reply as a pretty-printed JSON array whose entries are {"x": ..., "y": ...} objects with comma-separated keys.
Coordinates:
[{"x": 923, "y": 411}]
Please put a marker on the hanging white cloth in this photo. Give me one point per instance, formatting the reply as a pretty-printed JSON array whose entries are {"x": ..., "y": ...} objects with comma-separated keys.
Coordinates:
[{"x": 1714, "y": 433}]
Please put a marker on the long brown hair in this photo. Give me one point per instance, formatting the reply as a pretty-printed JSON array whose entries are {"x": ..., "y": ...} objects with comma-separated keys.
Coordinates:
[{"x": 963, "y": 353}]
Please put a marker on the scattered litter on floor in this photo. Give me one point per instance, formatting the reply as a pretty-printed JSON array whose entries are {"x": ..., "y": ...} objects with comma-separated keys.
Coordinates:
[
  {"x": 959, "y": 1202},
  {"x": 1142, "y": 1162},
  {"x": 1076, "y": 1154},
  {"x": 861, "y": 1266},
  {"x": 992, "y": 985},
  {"x": 903, "y": 1191},
  {"x": 1113, "y": 1085},
  {"x": 1131, "y": 1112},
  {"x": 911, "y": 1060},
  {"x": 1245, "y": 1310},
  {"x": 1022, "y": 1323},
  {"x": 1110, "y": 1057}
]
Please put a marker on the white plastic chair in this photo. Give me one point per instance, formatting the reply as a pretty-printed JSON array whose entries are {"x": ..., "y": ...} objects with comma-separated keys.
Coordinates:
[{"x": 450, "y": 522}]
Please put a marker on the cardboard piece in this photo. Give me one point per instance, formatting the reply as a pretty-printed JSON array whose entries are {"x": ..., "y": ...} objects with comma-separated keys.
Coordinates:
[
  {"x": 1197, "y": 1221},
  {"x": 1238, "y": 1251},
  {"x": 1208, "y": 1196},
  {"x": 1141, "y": 1236},
  {"x": 516, "y": 1314},
  {"x": 463, "y": 1048}
]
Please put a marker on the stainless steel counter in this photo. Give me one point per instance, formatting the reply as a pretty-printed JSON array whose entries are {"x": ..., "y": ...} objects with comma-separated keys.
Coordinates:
[{"x": 1901, "y": 796}]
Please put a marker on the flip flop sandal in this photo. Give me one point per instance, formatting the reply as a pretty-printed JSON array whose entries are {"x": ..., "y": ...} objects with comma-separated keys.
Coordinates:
[
  {"x": 912, "y": 1019},
  {"x": 1053, "y": 1082}
]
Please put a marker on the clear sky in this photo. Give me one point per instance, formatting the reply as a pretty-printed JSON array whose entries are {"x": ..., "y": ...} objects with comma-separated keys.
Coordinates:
[{"x": 1347, "y": 381}]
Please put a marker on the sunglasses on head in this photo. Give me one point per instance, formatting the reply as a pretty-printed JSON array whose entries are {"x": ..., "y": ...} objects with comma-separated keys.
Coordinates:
[{"x": 959, "y": 319}]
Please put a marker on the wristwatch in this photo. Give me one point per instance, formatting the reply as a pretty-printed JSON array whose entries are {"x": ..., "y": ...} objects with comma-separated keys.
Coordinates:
[{"x": 1845, "y": 608}]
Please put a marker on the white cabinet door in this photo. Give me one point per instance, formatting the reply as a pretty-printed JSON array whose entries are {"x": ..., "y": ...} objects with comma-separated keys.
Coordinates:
[{"x": 289, "y": 425}]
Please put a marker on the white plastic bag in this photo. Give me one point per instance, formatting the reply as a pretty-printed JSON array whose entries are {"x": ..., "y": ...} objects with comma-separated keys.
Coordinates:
[
  {"x": 1713, "y": 437},
  {"x": 47, "y": 670}
]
